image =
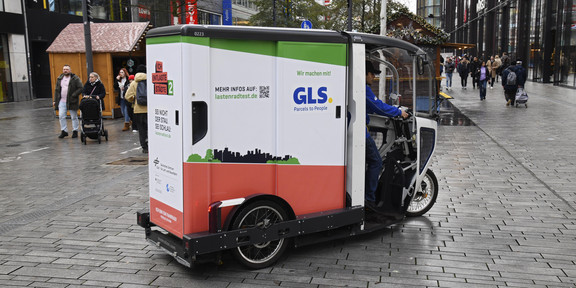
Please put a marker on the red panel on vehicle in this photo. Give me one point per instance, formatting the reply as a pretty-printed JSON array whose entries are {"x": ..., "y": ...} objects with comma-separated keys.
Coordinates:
[{"x": 307, "y": 189}]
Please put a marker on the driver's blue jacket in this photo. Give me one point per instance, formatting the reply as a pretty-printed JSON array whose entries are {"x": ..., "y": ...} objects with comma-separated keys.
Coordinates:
[{"x": 376, "y": 106}]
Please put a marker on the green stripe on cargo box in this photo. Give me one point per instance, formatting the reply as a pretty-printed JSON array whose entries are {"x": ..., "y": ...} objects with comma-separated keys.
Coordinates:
[
  {"x": 247, "y": 46},
  {"x": 328, "y": 53},
  {"x": 178, "y": 39}
]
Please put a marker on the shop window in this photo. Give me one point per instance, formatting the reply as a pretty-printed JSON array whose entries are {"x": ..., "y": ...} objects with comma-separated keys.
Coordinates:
[
  {"x": 72, "y": 7},
  {"x": 5, "y": 86},
  {"x": 100, "y": 9},
  {"x": 206, "y": 18}
]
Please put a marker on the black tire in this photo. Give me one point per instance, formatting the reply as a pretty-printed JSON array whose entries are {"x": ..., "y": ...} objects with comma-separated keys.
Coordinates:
[
  {"x": 425, "y": 197},
  {"x": 262, "y": 214}
]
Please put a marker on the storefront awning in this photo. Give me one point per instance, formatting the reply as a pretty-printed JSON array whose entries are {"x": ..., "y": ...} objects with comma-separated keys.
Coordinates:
[
  {"x": 106, "y": 37},
  {"x": 462, "y": 46}
]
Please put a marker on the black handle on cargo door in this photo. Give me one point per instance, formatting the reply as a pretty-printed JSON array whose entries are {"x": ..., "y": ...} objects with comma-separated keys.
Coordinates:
[{"x": 199, "y": 121}]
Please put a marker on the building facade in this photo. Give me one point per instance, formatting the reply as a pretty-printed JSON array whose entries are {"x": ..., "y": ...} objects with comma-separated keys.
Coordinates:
[
  {"x": 14, "y": 76},
  {"x": 431, "y": 10},
  {"x": 540, "y": 32}
]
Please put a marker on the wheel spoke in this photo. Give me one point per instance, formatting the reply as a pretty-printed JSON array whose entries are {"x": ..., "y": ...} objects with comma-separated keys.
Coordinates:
[{"x": 261, "y": 217}]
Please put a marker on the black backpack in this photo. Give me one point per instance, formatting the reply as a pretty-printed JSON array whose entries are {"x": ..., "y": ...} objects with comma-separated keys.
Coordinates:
[
  {"x": 511, "y": 78},
  {"x": 142, "y": 93}
]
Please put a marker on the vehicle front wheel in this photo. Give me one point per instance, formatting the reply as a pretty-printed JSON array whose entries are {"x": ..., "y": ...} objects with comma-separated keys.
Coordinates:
[
  {"x": 261, "y": 214},
  {"x": 425, "y": 197}
]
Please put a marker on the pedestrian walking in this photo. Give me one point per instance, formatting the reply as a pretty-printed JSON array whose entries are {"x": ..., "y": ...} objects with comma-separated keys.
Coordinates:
[
  {"x": 121, "y": 85},
  {"x": 463, "y": 71},
  {"x": 131, "y": 107},
  {"x": 140, "y": 109},
  {"x": 441, "y": 64},
  {"x": 513, "y": 77},
  {"x": 449, "y": 67},
  {"x": 474, "y": 67},
  {"x": 499, "y": 69},
  {"x": 493, "y": 66},
  {"x": 95, "y": 89},
  {"x": 482, "y": 80},
  {"x": 505, "y": 60},
  {"x": 66, "y": 96}
]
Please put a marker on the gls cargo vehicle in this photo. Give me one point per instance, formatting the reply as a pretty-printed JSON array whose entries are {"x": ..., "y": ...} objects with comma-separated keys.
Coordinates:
[{"x": 257, "y": 139}]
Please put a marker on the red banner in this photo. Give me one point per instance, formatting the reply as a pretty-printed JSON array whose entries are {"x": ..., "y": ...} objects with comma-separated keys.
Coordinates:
[
  {"x": 191, "y": 12},
  {"x": 144, "y": 12}
]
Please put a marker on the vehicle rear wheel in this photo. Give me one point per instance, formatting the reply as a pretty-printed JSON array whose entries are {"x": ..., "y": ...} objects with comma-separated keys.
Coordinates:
[
  {"x": 261, "y": 214},
  {"x": 425, "y": 197}
]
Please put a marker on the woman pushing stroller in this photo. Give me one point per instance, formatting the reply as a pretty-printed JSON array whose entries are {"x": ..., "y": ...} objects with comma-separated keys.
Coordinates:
[
  {"x": 91, "y": 107},
  {"x": 94, "y": 89}
]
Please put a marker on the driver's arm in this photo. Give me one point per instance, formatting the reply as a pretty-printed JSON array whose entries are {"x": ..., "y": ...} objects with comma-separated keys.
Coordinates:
[{"x": 376, "y": 106}]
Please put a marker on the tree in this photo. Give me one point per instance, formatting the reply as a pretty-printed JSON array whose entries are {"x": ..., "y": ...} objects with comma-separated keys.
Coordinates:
[
  {"x": 285, "y": 13},
  {"x": 291, "y": 13}
]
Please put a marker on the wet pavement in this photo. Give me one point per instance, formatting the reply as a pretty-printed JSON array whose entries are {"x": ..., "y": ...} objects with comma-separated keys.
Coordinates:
[
  {"x": 505, "y": 215},
  {"x": 450, "y": 115}
]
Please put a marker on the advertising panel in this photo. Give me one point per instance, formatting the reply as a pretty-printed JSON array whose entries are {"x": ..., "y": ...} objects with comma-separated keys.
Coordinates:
[{"x": 165, "y": 131}]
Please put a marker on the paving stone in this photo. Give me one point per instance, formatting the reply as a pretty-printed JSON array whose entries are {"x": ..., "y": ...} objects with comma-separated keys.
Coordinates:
[
  {"x": 183, "y": 282},
  {"x": 339, "y": 282},
  {"x": 49, "y": 272},
  {"x": 118, "y": 277},
  {"x": 284, "y": 277}
]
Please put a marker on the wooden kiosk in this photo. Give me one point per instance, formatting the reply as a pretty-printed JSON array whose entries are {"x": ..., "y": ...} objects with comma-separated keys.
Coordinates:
[{"x": 114, "y": 46}]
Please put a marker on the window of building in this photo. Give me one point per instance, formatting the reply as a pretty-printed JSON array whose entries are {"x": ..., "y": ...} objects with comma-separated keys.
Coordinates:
[
  {"x": 246, "y": 3},
  {"x": 566, "y": 54},
  {"x": 72, "y": 7},
  {"x": 208, "y": 18},
  {"x": 5, "y": 79},
  {"x": 1, "y": 5}
]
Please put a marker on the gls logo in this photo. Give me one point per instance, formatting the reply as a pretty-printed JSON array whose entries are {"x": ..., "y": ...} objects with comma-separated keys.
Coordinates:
[{"x": 303, "y": 95}]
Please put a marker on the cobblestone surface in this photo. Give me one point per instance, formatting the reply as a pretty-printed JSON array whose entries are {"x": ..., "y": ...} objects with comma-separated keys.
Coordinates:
[{"x": 505, "y": 215}]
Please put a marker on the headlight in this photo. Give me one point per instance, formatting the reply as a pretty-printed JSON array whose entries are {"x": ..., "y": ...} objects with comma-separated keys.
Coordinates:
[{"x": 427, "y": 140}]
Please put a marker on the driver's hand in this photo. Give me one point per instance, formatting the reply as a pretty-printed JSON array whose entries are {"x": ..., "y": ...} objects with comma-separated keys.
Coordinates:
[{"x": 404, "y": 114}]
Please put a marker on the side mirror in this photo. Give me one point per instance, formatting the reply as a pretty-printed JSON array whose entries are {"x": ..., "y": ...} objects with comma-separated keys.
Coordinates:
[{"x": 420, "y": 62}]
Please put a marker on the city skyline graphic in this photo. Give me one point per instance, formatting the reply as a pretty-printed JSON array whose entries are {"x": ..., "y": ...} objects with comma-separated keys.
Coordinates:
[{"x": 251, "y": 156}]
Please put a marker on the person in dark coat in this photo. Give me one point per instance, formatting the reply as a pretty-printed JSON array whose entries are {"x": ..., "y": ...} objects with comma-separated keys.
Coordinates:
[
  {"x": 95, "y": 89},
  {"x": 474, "y": 67},
  {"x": 66, "y": 98},
  {"x": 511, "y": 89},
  {"x": 463, "y": 71},
  {"x": 449, "y": 70}
]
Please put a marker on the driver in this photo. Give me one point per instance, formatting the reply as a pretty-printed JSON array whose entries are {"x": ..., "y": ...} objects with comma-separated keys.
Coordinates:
[{"x": 373, "y": 159}]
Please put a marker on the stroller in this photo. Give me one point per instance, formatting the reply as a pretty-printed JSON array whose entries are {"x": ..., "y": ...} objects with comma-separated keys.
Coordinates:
[
  {"x": 92, "y": 125},
  {"x": 521, "y": 97}
]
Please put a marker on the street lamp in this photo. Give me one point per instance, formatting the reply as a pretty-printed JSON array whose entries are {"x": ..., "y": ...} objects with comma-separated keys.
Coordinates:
[{"x": 274, "y": 12}]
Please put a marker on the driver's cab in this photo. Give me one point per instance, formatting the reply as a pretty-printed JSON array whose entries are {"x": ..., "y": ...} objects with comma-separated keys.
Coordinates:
[{"x": 407, "y": 80}]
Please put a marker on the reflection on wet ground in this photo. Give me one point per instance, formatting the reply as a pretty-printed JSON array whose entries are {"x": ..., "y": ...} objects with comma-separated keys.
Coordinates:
[{"x": 451, "y": 116}]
